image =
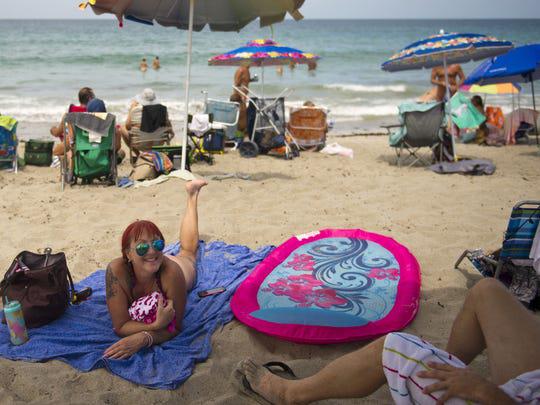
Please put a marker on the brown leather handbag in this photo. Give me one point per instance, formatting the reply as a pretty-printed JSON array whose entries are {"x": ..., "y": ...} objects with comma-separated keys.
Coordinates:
[{"x": 41, "y": 283}]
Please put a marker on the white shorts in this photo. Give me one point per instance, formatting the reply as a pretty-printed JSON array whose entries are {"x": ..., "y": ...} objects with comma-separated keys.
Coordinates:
[{"x": 405, "y": 355}]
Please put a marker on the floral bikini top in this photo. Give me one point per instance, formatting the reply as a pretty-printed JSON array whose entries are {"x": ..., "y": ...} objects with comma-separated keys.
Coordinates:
[{"x": 144, "y": 309}]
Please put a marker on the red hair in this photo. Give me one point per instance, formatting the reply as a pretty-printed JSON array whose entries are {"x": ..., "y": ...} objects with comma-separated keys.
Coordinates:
[{"x": 135, "y": 230}]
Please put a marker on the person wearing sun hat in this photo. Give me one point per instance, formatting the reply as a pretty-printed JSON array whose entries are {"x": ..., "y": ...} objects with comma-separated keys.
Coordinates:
[{"x": 134, "y": 118}]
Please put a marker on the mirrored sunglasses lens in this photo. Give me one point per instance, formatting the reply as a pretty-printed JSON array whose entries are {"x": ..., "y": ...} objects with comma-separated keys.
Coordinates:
[
  {"x": 158, "y": 244},
  {"x": 142, "y": 249}
]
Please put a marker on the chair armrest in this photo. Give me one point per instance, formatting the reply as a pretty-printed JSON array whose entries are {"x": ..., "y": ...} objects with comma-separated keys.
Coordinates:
[{"x": 392, "y": 126}]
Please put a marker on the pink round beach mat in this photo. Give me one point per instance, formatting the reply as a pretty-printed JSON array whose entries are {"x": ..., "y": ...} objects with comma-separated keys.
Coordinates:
[{"x": 388, "y": 290}]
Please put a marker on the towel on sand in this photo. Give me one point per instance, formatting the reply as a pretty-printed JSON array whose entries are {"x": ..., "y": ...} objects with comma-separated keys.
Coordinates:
[{"x": 81, "y": 335}]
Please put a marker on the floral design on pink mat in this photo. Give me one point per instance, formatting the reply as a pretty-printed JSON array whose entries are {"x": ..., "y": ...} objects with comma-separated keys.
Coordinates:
[
  {"x": 382, "y": 274},
  {"x": 302, "y": 262},
  {"x": 304, "y": 289}
]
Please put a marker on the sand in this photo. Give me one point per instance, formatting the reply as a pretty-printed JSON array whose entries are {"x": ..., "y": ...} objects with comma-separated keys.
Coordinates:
[{"x": 435, "y": 216}]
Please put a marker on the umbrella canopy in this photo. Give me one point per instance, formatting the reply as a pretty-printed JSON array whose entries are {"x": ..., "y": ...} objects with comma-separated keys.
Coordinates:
[
  {"x": 262, "y": 52},
  {"x": 499, "y": 88},
  {"x": 220, "y": 15},
  {"x": 520, "y": 65},
  {"x": 446, "y": 48}
]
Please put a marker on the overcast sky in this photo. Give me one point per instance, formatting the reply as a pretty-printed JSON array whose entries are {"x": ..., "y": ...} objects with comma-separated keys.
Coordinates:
[{"x": 325, "y": 9}]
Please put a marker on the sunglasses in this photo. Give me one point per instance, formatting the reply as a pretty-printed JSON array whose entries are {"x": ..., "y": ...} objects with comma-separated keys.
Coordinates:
[{"x": 142, "y": 248}]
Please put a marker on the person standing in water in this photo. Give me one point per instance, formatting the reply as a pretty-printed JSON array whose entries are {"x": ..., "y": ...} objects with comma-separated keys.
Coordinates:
[
  {"x": 143, "y": 67},
  {"x": 156, "y": 64}
]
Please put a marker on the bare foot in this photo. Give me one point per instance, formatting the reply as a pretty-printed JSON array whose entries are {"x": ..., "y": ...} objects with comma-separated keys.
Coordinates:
[
  {"x": 263, "y": 382},
  {"x": 194, "y": 186}
]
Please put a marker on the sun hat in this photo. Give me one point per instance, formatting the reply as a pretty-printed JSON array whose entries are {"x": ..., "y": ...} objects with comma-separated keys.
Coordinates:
[{"x": 147, "y": 97}]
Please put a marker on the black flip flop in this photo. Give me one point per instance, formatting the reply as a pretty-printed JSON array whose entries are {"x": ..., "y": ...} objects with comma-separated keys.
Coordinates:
[{"x": 283, "y": 371}]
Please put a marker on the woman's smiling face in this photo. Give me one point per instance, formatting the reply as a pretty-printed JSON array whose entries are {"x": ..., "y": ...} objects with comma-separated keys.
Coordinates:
[{"x": 149, "y": 262}]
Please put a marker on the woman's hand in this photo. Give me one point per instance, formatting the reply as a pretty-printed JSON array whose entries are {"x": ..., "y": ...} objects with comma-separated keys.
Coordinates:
[
  {"x": 164, "y": 315},
  {"x": 462, "y": 383},
  {"x": 126, "y": 347}
]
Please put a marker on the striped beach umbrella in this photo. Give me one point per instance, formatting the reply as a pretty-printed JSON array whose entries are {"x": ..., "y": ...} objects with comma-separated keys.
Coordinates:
[
  {"x": 263, "y": 52},
  {"x": 443, "y": 49},
  {"x": 194, "y": 15}
]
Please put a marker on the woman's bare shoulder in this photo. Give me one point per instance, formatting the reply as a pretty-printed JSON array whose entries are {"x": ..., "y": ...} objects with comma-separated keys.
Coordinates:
[{"x": 118, "y": 267}]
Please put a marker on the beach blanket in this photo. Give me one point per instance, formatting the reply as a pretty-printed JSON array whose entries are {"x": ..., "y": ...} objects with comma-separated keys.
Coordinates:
[{"x": 81, "y": 335}]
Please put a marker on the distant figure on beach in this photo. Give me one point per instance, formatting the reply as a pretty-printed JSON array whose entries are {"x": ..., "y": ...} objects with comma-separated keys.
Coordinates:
[
  {"x": 155, "y": 63},
  {"x": 279, "y": 70},
  {"x": 241, "y": 80},
  {"x": 417, "y": 372},
  {"x": 438, "y": 92},
  {"x": 143, "y": 66},
  {"x": 85, "y": 95},
  {"x": 312, "y": 67},
  {"x": 242, "y": 115},
  {"x": 146, "y": 290}
]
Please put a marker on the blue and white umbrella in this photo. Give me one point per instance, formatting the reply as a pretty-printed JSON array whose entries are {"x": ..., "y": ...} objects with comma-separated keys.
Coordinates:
[{"x": 443, "y": 49}]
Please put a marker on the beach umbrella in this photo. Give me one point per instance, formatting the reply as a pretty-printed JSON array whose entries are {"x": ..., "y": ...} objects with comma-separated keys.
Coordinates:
[
  {"x": 194, "y": 15},
  {"x": 261, "y": 53},
  {"x": 443, "y": 49},
  {"x": 520, "y": 65},
  {"x": 498, "y": 88}
]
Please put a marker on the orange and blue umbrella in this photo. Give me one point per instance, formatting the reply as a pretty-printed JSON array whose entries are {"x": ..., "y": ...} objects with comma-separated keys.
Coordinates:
[
  {"x": 446, "y": 48},
  {"x": 263, "y": 52}
]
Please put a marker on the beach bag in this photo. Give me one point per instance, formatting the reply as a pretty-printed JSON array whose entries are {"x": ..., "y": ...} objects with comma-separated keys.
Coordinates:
[
  {"x": 38, "y": 153},
  {"x": 41, "y": 283},
  {"x": 144, "y": 169}
]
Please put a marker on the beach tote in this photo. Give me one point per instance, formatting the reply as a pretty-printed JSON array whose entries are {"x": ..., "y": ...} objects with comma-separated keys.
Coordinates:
[{"x": 41, "y": 283}]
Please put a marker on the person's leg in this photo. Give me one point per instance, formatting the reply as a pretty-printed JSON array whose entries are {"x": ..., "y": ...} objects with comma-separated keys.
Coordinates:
[
  {"x": 492, "y": 318},
  {"x": 355, "y": 375},
  {"x": 189, "y": 233}
]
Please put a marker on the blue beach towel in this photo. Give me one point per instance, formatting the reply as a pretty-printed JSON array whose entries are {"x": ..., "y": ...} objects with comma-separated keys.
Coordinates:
[{"x": 81, "y": 335}]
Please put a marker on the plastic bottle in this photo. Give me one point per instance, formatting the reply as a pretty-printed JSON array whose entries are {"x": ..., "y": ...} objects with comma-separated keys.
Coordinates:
[{"x": 15, "y": 321}]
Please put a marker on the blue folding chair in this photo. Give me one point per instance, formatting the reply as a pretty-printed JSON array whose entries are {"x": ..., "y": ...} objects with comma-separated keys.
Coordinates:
[
  {"x": 8, "y": 146},
  {"x": 517, "y": 243}
]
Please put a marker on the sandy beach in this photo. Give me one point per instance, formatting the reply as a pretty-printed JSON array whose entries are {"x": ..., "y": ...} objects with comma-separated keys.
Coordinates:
[{"x": 435, "y": 216}]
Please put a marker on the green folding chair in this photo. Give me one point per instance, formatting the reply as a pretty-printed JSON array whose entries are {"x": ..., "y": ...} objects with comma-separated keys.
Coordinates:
[{"x": 89, "y": 155}]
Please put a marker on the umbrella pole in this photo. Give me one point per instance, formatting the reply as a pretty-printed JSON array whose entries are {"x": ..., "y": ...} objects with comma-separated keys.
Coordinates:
[
  {"x": 449, "y": 113},
  {"x": 262, "y": 80},
  {"x": 534, "y": 108},
  {"x": 184, "y": 174}
]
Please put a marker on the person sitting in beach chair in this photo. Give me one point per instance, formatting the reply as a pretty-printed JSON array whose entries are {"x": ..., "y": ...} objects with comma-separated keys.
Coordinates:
[
  {"x": 146, "y": 291},
  {"x": 417, "y": 372},
  {"x": 147, "y": 124},
  {"x": 308, "y": 125},
  {"x": 90, "y": 148},
  {"x": 85, "y": 95}
]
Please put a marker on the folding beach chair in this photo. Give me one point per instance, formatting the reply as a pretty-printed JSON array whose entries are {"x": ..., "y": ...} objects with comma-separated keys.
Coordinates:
[
  {"x": 516, "y": 247},
  {"x": 202, "y": 135},
  {"x": 422, "y": 126},
  {"x": 89, "y": 148},
  {"x": 151, "y": 133},
  {"x": 308, "y": 126},
  {"x": 8, "y": 142},
  {"x": 268, "y": 128}
]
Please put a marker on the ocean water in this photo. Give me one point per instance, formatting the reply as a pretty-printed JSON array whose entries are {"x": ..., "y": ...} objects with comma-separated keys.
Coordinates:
[{"x": 43, "y": 63}]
